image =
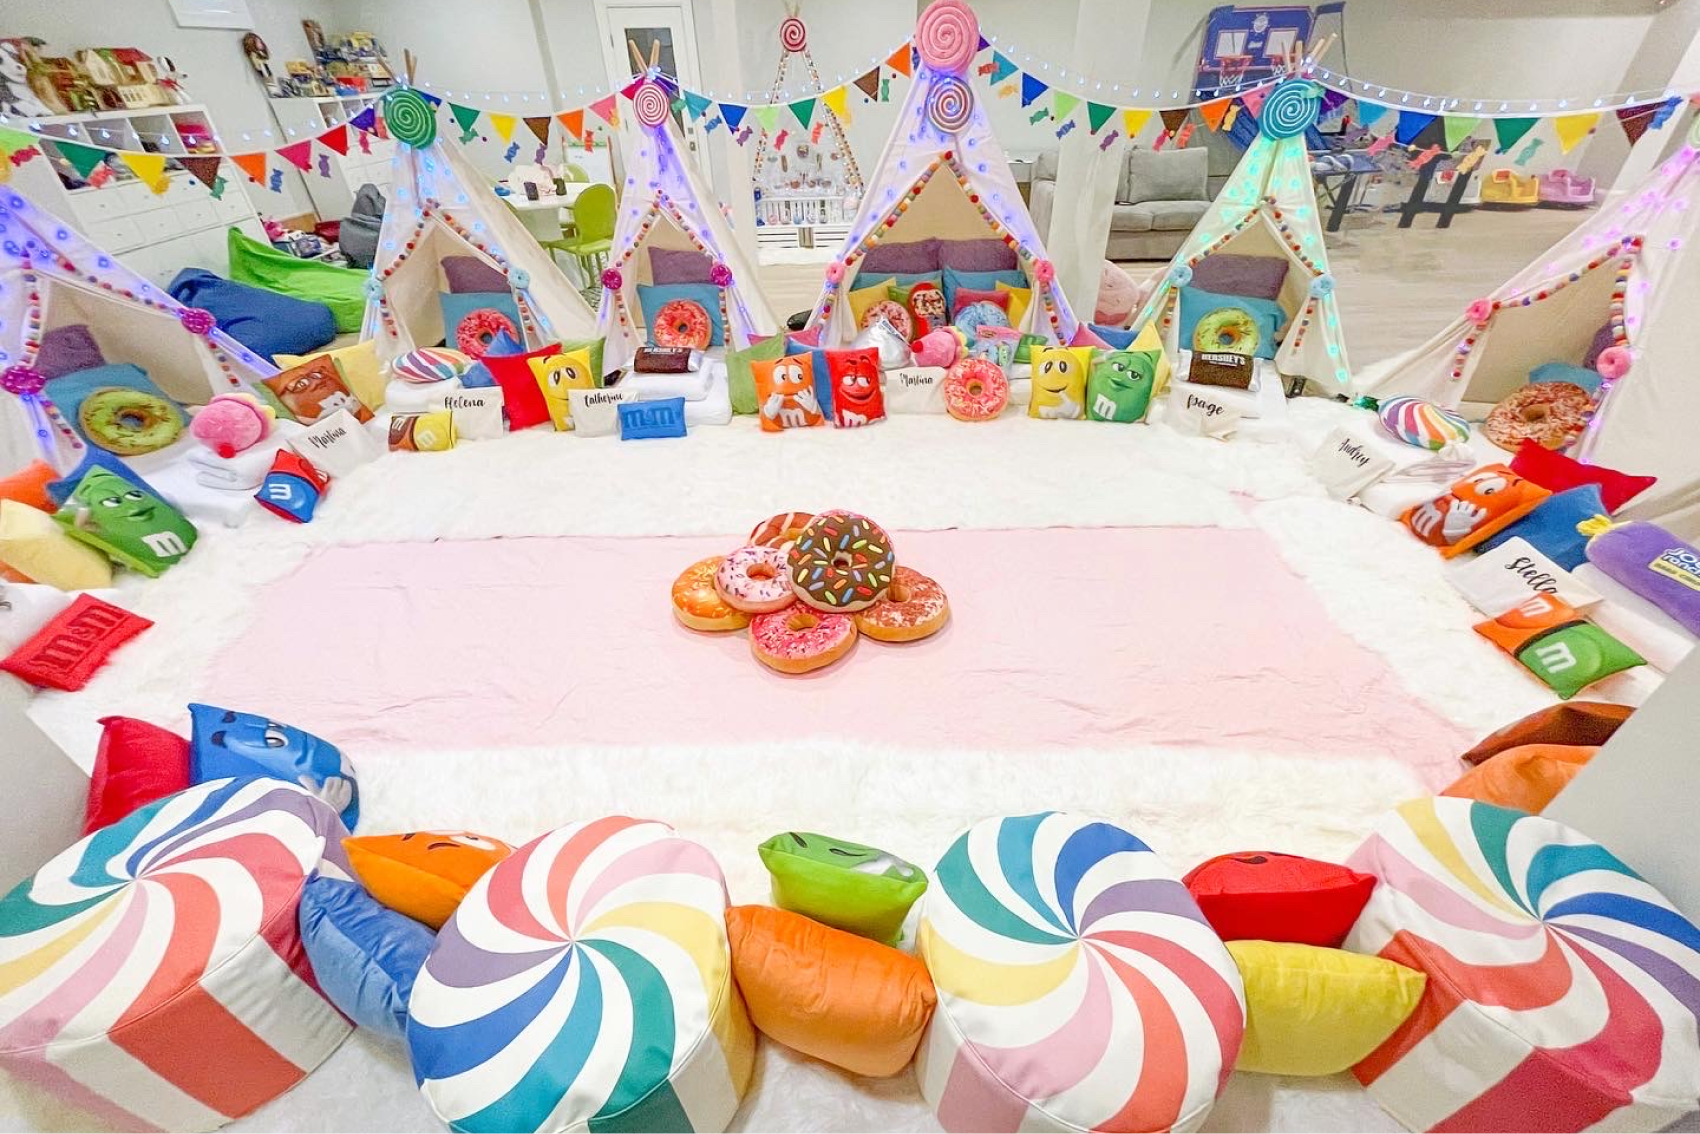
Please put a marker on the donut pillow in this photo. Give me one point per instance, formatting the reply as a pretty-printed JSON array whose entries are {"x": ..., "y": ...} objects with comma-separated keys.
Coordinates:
[
  {"x": 849, "y": 886},
  {"x": 1525, "y": 778},
  {"x": 1552, "y": 414},
  {"x": 1229, "y": 324},
  {"x": 1557, "y": 645},
  {"x": 127, "y": 522},
  {"x": 473, "y": 320},
  {"x": 1578, "y": 722},
  {"x": 1552, "y": 528},
  {"x": 225, "y": 743},
  {"x": 683, "y": 325},
  {"x": 1474, "y": 508},
  {"x": 1536, "y": 463},
  {"x": 840, "y": 998},
  {"x": 118, "y": 409},
  {"x": 1654, "y": 564},
  {"x": 982, "y": 313},
  {"x": 1268, "y": 896},
  {"x": 364, "y": 955},
  {"x": 423, "y": 874},
  {"x": 866, "y": 297}
]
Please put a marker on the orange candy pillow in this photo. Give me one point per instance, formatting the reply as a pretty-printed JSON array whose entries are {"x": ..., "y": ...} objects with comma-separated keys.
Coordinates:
[
  {"x": 852, "y": 1002},
  {"x": 1575, "y": 722},
  {"x": 1474, "y": 508},
  {"x": 785, "y": 393},
  {"x": 29, "y": 486},
  {"x": 423, "y": 874},
  {"x": 1526, "y": 777}
]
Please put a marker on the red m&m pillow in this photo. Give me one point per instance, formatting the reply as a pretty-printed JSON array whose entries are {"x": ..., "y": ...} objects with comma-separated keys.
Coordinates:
[{"x": 1265, "y": 896}]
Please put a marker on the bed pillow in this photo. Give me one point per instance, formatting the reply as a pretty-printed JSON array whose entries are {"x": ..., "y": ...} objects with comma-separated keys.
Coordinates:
[
  {"x": 786, "y": 392},
  {"x": 1488, "y": 500},
  {"x": 1557, "y": 645},
  {"x": 857, "y": 396},
  {"x": 1256, "y": 277},
  {"x": 653, "y": 297},
  {"x": 955, "y": 280},
  {"x": 266, "y": 322},
  {"x": 980, "y": 254},
  {"x": 472, "y": 275},
  {"x": 1579, "y": 722},
  {"x": 865, "y": 296},
  {"x": 1551, "y": 527},
  {"x": 473, "y": 319},
  {"x": 849, "y": 886},
  {"x": 680, "y": 266},
  {"x": 1020, "y": 298},
  {"x": 1552, "y": 470},
  {"x": 315, "y": 389},
  {"x": 1525, "y": 778},
  {"x": 1313, "y": 1011},
  {"x": 136, "y": 763},
  {"x": 1198, "y": 305},
  {"x": 840, "y": 998},
  {"x": 1122, "y": 384},
  {"x": 968, "y": 296},
  {"x": 358, "y": 365},
  {"x": 1268, "y": 896},
  {"x": 36, "y": 547},
  {"x": 226, "y": 744},
  {"x": 557, "y": 373},
  {"x": 914, "y": 256},
  {"x": 75, "y": 643},
  {"x": 29, "y": 485},
  {"x": 741, "y": 379},
  {"x": 1581, "y": 376},
  {"x": 423, "y": 874},
  {"x": 364, "y": 956},
  {"x": 70, "y": 391},
  {"x": 66, "y": 350},
  {"x": 522, "y": 398},
  {"x": 127, "y": 522}
]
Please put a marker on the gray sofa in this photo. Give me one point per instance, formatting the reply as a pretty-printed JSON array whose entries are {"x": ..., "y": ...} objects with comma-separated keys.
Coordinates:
[{"x": 1160, "y": 196}]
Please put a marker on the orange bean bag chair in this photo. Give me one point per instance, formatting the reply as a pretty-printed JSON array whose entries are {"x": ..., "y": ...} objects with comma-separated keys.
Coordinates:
[
  {"x": 423, "y": 874},
  {"x": 1525, "y": 778},
  {"x": 841, "y": 998}
]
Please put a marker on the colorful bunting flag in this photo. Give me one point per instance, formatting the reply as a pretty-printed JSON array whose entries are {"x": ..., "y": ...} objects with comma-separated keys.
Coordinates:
[
  {"x": 1097, "y": 114},
  {"x": 1410, "y": 124},
  {"x": 83, "y": 158},
  {"x": 697, "y": 104},
  {"x": 1508, "y": 131},
  {"x": 1635, "y": 120},
  {"x": 366, "y": 120},
  {"x": 838, "y": 101},
  {"x": 572, "y": 121},
  {"x": 604, "y": 109},
  {"x": 336, "y": 138},
  {"x": 1213, "y": 112},
  {"x": 1031, "y": 88},
  {"x": 1002, "y": 67},
  {"x": 503, "y": 125},
  {"x": 1369, "y": 113},
  {"x": 1065, "y": 103},
  {"x": 538, "y": 124},
  {"x": 804, "y": 110},
  {"x": 1173, "y": 120},
  {"x": 1665, "y": 110},
  {"x": 1457, "y": 128},
  {"x": 899, "y": 60},
  {"x": 767, "y": 117},
  {"x": 150, "y": 168},
  {"x": 1572, "y": 128},
  {"x": 203, "y": 169},
  {"x": 1133, "y": 121},
  {"x": 733, "y": 113},
  {"x": 1252, "y": 100},
  {"x": 300, "y": 154},
  {"x": 466, "y": 117},
  {"x": 868, "y": 84},
  {"x": 254, "y": 165}
]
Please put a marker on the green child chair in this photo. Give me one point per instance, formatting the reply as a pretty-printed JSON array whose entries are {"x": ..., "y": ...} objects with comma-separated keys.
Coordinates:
[{"x": 593, "y": 235}]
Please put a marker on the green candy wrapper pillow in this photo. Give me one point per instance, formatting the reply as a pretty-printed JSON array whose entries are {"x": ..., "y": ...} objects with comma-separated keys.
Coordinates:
[
  {"x": 127, "y": 522},
  {"x": 845, "y": 885},
  {"x": 741, "y": 379}
]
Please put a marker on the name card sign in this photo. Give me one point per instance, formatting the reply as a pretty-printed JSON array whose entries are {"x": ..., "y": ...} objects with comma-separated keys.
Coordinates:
[
  {"x": 596, "y": 413},
  {"x": 1347, "y": 463},
  {"x": 337, "y": 444},
  {"x": 1203, "y": 414},
  {"x": 915, "y": 389},
  {"x": 477, "y": 412},
  {"x": 1501, "y": 578}
]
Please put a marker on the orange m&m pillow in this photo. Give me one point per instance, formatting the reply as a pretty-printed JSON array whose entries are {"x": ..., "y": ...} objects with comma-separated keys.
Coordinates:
[{"x": 423, "y": 874}]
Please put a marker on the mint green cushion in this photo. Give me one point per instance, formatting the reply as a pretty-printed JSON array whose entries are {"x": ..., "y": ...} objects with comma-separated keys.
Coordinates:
[{"x": 739, "y": 376}]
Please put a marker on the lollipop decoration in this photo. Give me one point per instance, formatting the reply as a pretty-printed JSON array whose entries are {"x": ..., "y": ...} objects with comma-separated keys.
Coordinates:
[
  {"x": 409, "y": 118},
  {"x": 947, "y": 36},
  {"x": 1291, "y": 109},
  {"x": 650, "y": 103},
  {"x": 793, "y": 35},
  {"x": 949, "y": 104},
  {"x": 197, "y": 320}
]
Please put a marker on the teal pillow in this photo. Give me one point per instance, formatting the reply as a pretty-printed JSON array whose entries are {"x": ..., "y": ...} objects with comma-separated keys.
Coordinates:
[
  {"x": 653, "y": 297},
  {"x": 489, "y": 308},
  {"x": 1589, "y": 380},
  {"x": 979, "y": 281},
  {"x": 69, "y": 391},
  {"x": 1268, "y": 316}
]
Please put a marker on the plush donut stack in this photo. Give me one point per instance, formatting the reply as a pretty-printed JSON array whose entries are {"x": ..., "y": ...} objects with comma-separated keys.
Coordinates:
[{"x": 807, "y": 585}]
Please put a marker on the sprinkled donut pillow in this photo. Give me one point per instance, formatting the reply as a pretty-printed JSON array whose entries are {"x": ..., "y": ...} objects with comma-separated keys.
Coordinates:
[
  {"x": 153, "y": 975},
  {"x": 585, "y": 983},
  {"x": 1079, "y": 986}
]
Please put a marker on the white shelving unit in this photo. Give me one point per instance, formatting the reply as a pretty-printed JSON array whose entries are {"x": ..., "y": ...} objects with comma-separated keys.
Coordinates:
[
  {"x": 155, "y": 234},
  {"x": 333, "y": 196}
]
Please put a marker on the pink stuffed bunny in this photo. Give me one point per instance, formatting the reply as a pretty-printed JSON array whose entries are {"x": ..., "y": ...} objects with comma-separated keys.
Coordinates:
[{"x": 231, "y": 423}]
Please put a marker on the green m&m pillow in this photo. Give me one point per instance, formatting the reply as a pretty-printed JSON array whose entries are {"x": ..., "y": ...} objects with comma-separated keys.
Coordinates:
[{"x": 848, "y": 886}]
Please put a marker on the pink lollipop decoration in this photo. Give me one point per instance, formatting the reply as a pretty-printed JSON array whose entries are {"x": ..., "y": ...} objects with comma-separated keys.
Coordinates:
[
  {"x": 1613, "y": 363},
  {"x": 948, "y": 35},
  {"x": 612, "y": 279},
  {"x": 950, "y": 104},
  {"x": 835, "y": 272},
  {"x": 650, "y": 104},
  {"x": 793, "y": 36},
  {"x": 720, "y": 275},
  {"x": 1044, "y": 271}
]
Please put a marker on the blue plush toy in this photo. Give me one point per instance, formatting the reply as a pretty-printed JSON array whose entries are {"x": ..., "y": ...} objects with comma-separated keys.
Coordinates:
[
  {"x": 364, "y": 954},
  {"x": 226, "y": 744}
]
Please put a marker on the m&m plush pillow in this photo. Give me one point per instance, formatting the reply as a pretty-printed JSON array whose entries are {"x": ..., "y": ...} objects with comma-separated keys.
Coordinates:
[
  {"x": 1556, "y": 472},
  {"x": 423, "y": 874},
  {"x": 785, "y": 392},
  {"x": 1266, "y": 896},
  {"x": 1558, "y": 645},
  {"x": 1577, "y": 723},
  {"x": 1487, "y": 501},
  {"x": 1552, "y": 527},
  {"x": 75, "y": 643},
  {"x": 136, "y": 763},
  {"x": 857, "y": 397},
  {"x": 1525, "y": 778},
  {"x": 226, "y": 744},
  {"x": 522, "y": 397},
  {"x": 849, "y": 886}
]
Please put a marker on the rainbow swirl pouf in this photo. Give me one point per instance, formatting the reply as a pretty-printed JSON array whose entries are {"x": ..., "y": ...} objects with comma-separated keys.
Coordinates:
[
  {"x": 1422, "y": 423},
  {"x": 585, "y": 983},
  {"x": 1079, "y": 986},
  {"x": 1563, "y": 990},
  {"x": 153, "y": 976}
]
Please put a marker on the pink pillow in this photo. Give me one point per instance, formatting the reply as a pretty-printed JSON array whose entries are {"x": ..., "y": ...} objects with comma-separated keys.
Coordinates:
[
  {"x": 965, "y": 296},
  {"x": 1083, "y": 336}
]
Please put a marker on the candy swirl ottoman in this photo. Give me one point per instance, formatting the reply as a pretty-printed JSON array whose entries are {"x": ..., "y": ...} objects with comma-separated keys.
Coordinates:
[
  {"x": 153, "y": 976},
  {"x": 1079, "y": 986},
  {"x": 1563, "y": 991},
  {"x": 585, "y": 983}
]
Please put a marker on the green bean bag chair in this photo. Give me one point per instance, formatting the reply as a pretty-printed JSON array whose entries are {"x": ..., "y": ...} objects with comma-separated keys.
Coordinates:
[{"x": 261, "y": 265}]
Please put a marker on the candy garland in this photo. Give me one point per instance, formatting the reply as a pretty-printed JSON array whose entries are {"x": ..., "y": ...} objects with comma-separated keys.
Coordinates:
[{"x": 794, "y": 40}]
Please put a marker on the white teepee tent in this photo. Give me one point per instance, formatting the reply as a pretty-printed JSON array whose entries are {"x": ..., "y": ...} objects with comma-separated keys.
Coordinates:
[
  {"x": 439, "y": 206},
  {"x": 668, "y": 205},
  {"x": 942, "y": 128},
  {"x": 1268, "y": 208},
  {"x": 1631, "y": 268},
  {"x": 51, "y": 277}
]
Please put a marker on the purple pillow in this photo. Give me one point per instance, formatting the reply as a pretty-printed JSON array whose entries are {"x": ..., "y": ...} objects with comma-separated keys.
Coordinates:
[
  {"x": 66, "y": 350},
  {"x": 673, "y": 266},
  {"x": 1602, "y": 340},
  {"x": 467, "y": 274},
  {"x": 1256, "y": 277},
  {"x": 988, "y": 254},
  {"x": 914, "y": 256}
]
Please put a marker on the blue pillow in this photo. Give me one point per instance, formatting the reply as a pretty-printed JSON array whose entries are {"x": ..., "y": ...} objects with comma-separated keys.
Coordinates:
[
  {"x": 456, "y": 309},
  {"x": 60, "y": 490},
  {"x": 225, "y": 744},
  {"x": 477, "y": 376},
  {"x": 503, "y": 344},
  {"x": 364, "y": 955},
  {"x": 69, "y": 391},
  {"x": 1589, "y": 380},
  {"x": 910, "y": 279},
  {"x": 1266, "y": 313},
  {"x": 979, "y": 281},
  {"x": 1119, "y": 338},
  {"x": 266, "y": 322},
  {"x": 1551, "y": 527},
  {"x": 653, "y": 297},
  {"x": 823, "y": 373}
]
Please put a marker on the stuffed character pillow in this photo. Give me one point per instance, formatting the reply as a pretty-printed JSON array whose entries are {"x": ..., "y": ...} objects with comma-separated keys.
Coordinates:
[
  {"x": 522, "y": 397},
  {"x": 315, "y": 389},
  {"x": 65, "y": 653},
  {"x": 1577, "y": 723},
  {"x": 136, "y": 763},
  {"x": 36, "y": 547},
  {"x": 364, "y": 956},
  {"x": 1654, "y": 564},
  {"x": 1557, "y": 645},
  {"x": 1553, "y": 470},
  {"x": 130, "y": 524},
  {"x": 555, "y": 375},
  {"x": 1487, "y": 501},
  {"x": 1123, "y": 383},
  {"x": 472, "y": 320},
  {"x": 1059, "y": 382},
  {"x": 292, "y": 488},
  {"x": 1552, "y": 527},
  {"x": 785, "y": 392},
  {"x": 358, "y": 365},
  {"x": 1267, "y": 896},
  {"x": 227, "y": 744},
  {"x": 857, "y": 397},
  {"x": 423, "y": 874},
  {"x": 1312, "y": 1011},
  {"x": 840, "y": 998},
  {"x": 1525, "y": 778},
  {"x": 856, "y": 888},
  {"x": 29, "y": 485}
]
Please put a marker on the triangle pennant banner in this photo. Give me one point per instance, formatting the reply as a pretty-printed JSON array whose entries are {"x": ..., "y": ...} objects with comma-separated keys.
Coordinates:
[
  {"x": 1458, "y": 128},
  {"x": 697, "y": 104},
  {"x": 254, "y": 165},
  {"x": 1572, "y": 128},
  {"x": 538, "y": 124},
  {"x": 1213, "y": 112},
  {"x": 1332, "y": 100},
  {"x": 1665, "y": 110},
  {"x": 1002, "y": 67},
  {"x": 336, "y": 138},
  {"x": 1031, "y": 88},
  {"x": 767, "y": 116},
  {"x": 1410, "y": 124},
  {"x": 1635, "y": 120},
  {"x": 838, "y": 102},
  {"x": 434, "y": 100},
  {"x": 899, "y": 60},
  {"x": 366, "y": 121},
  {"x": 1097, "y": 114},
  {"x": 603, "y": 108},
  {"x": 1173, "y": 120},
  {"x": 1369, "y": 113},
  {"x": 631, "y": 88},
  {"x": 150, "y": 168},
  {"x": 203, "y": 169},
  {"x": 868, "y": 84},
  {"x": 1509, "y": 131},
  {"x": 1133, "y": 121},
  {"x": 1064, "y": 103},
  {"x": 572, "y": 121},
  {"x": 733, "y": 114},
  {"x": 83, "y": 158},
  {"x": 465, "y": 116},
  {"x": 804, "y": 109},
  {"x": 300, "y": 155},
  {"x": 1252, "y": 100},
  {"x": 503, "y": 124}
]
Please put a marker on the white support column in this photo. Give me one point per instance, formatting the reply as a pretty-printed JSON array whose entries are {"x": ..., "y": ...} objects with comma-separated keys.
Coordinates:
[
  {"x": 1669, "y": 56},
  {"x": 729, "y": 163},
  {"x": 50, "y": 791},
  {"x": 1108, "y": 33}
]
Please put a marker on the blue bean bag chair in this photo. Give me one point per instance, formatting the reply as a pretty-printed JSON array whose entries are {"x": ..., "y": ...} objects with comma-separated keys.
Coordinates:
[{"x": 265, "y": 322}]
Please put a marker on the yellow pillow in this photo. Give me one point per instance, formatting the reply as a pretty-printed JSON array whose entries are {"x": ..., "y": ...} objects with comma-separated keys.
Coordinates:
[
  {"x": 558, "y": 373},
  {"x": 1019, "y": 298},
  {"x": 32, "y": 544},
  {"x": 1316, "y": 1011},
  {"x": 1149, "y": 339},
  {"x": 1059, "y": 382},
  {"x": 359, "y": 366},
  {"x": 863, "y": 298}
]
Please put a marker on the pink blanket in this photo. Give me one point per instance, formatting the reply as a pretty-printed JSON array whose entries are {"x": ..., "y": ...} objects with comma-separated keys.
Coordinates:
[{"x": 1065, "y": 638}]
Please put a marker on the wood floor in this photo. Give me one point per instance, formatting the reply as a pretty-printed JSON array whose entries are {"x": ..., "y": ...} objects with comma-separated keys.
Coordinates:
[{"x": 1396, "y": 287}]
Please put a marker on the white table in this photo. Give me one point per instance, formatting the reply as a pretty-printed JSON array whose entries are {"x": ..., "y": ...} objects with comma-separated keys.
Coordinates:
[{"x": 542, "y": 217}]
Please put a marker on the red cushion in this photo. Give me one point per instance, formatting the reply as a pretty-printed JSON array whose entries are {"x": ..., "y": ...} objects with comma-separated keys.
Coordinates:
[
  {"x": 1552, "y": 470},
  {"x": 522, "y": 397},
  {"x": 65, "y": 653},
  {"x": 137, "y": 763},
  {"x": 1264, "y": 896},
  {"x": 967, "y": 295}
]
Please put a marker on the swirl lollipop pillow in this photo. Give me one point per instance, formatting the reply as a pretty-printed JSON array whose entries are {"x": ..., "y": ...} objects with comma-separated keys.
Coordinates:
[
  {"x": 152, "y": 975},
  {"x": 1079, "y": 986},
  {"x": 947, "y": 36},
  {"x": 585, "y": 983}
]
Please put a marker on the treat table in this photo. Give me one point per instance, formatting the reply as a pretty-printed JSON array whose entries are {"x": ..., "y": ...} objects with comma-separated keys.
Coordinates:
[{"x": 542, "y": 217}]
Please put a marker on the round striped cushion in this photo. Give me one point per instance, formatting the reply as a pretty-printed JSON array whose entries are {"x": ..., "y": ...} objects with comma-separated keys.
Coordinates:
[
  {"x": 585, "y": 982},
  {"x": 153, "y": 973},
  {"x": 1422, "y": 423},
  {"x": 1079, "y": 986},
  {"x": 1563, "y": 990}
]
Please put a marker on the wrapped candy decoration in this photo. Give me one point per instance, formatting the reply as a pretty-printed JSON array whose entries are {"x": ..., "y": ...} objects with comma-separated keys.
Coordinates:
[{"x": 881, "y": 336}]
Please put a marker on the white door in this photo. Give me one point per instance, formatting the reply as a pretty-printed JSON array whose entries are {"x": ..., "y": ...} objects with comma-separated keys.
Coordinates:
[{"x": 670, "y": 26}]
